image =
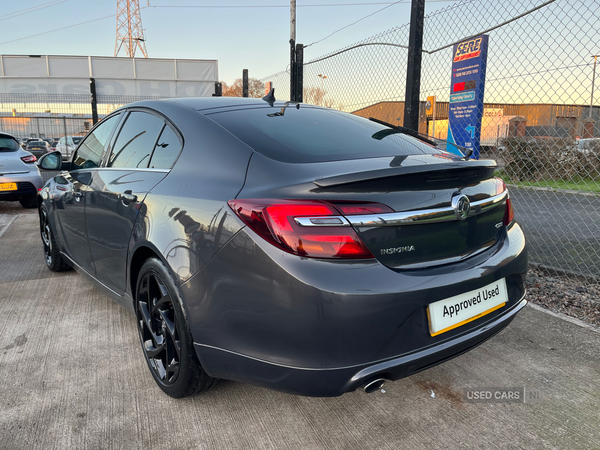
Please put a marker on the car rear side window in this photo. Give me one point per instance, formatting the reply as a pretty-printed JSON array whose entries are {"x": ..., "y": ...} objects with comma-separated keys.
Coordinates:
[
  {"x": 89, "y": 153},
  {"x": 311, "y": 134},
  {"x": 8, "y": 144},
  {"x": 136, "y": 141},
  {"x": 167, "y": 150}
]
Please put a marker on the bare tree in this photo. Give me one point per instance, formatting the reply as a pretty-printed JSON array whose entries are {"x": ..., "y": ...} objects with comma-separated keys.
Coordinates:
[
  {"x": 316, "y": 96},
  {"x": 255, "y": 88}
]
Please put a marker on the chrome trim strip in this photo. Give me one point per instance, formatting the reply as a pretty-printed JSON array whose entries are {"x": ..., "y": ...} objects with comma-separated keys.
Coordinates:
[
  {"x": 424, "y": 216},
  {"x": 322, "y": 221},
  {"x": 489, "y": 203},
  {"x": 130, "y": 169}
]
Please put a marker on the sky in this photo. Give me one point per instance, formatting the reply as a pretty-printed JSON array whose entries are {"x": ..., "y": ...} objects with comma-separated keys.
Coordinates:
[{"x": 253, "y": 37}]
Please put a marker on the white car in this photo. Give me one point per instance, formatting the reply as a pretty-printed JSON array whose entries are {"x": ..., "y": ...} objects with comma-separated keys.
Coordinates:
[
  {"x": 66, "y": 146},
  {"x": 19, "y": 176},
  {"x": 587, "y": 146}
]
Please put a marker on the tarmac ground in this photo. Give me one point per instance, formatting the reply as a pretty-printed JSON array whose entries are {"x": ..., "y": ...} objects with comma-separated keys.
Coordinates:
[{"x": 73, "y": 376}]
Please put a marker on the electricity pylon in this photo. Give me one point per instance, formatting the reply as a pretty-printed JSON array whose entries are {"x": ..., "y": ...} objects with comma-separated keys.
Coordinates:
[{"x": 130, "y": 33}]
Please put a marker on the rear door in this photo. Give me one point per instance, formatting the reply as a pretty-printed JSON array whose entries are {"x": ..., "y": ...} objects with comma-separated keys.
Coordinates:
[{"x": 142, "y": 155}]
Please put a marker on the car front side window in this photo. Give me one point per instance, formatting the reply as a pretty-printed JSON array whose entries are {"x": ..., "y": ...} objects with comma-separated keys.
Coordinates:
[{"x": 89, "y": 153}]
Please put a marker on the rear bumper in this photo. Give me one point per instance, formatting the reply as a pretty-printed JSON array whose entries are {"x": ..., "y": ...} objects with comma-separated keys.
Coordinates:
[
  {"x": 336, "y": 381},
  {"x": 25, "y": 189},
  {"x": 38, "y": 152},
  {"x": 325, "y": 327}
]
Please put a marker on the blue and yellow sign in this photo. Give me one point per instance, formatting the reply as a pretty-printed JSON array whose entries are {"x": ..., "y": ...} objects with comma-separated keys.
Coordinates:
[{"x": 466, "y": 93}]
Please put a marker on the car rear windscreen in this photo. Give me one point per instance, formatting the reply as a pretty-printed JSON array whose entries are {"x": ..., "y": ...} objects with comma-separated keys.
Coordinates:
[
  {"x": 311, "y": 134},
  {"x": 8, "y": 144}
]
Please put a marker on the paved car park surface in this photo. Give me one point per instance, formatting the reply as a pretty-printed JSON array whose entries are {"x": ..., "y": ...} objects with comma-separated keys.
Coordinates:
[{"x": 74, "y": 377}]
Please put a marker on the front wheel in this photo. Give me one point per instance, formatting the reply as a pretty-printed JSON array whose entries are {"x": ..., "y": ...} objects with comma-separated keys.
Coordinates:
[
  {"x": 164, "y": 333},
  {"x": 54, "y": 259}
]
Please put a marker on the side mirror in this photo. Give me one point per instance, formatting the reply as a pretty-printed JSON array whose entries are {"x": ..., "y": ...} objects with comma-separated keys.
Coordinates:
[{"x": 50, "y": 161}]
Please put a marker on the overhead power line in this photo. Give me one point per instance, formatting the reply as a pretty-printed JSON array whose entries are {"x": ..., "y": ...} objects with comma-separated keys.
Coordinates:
[
  {"x": 46, "y": 5},
  {"x": 298, "y": 6},
  {"x": 354, "y": 23},
  {"x": 31, "y": 9},
  {"x": 112, "y": 16}
]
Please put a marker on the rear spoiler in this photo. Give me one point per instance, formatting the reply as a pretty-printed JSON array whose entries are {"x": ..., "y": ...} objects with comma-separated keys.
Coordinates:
[{"x": 394, "y": 171}]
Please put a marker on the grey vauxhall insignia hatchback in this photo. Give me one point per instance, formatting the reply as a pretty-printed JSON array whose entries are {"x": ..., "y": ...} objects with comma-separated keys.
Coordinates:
[{"x": 285, "y": 245}]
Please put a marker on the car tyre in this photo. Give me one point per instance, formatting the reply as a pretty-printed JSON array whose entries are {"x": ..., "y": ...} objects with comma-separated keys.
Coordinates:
[
  {"x": 29, "y": 202},
  {"x": 164, "y": 333},
  {"x": 54, "y": 259}
]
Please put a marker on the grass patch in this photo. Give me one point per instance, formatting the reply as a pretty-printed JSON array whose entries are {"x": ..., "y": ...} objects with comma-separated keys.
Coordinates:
[{"x": 575, "y": 184}]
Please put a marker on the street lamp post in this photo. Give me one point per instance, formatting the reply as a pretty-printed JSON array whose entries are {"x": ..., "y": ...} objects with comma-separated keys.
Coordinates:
[
  {"x": 593, "y": 81},
  {"x": 322, "y": 77}
]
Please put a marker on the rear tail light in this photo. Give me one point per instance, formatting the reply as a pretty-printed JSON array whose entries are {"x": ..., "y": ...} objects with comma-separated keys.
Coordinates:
[
  {"x": 509, "y": 214},
  {"x": 500, "y": 186},
  {"x": 28, "y": 159},
  {"x": 309, "y": 228}
]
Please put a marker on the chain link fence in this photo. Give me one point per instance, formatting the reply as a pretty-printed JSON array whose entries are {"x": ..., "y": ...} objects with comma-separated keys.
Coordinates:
[
  {"x": 45, "y": 116},
  {"x": 59, "y": 119},
  {"x": 53, "y": 116},
  {"x": 538, "y": 120}
]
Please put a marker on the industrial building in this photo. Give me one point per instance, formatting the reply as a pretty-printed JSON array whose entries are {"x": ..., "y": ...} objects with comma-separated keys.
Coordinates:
[{"x": 536, "y": 120}]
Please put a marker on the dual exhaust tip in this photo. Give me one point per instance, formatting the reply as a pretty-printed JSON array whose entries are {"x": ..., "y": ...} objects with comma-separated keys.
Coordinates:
[{"x": 374, "y": 385}]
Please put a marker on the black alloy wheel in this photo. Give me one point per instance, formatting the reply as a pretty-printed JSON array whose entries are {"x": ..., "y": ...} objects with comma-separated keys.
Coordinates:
[
  {"x": 54, "y": 259},
  {"x": 159, "y": 334},
  {"x": 164, "y": 334}
]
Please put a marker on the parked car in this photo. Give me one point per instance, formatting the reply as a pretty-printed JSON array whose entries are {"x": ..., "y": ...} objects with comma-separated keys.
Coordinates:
[
  {"x": 25, "y": 141},
  {"x": 20, "y": 178},
  {"x": 66, "y": 145},
  {"x": 588, "y": 146},
  {"x": 38, "y": 148},
  {"x": 53, "y": 143},
  {"x": 290, "y": 246}
]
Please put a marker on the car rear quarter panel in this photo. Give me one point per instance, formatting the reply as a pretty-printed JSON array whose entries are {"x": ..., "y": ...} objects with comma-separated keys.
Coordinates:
[{"x": 186, "y": 216}]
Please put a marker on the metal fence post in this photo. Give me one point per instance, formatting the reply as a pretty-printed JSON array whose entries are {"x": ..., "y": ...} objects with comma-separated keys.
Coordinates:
[
  {"x": 94, "y": 101},
  {"x": 218, "y": 89},
  {"x": 245, "y": 83},
  {"x": 292, "y": 50},
  {"x": 413, "y": 74},
  {"x": 299, "y": 73}
]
